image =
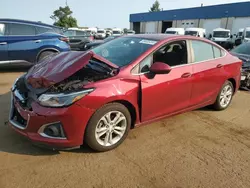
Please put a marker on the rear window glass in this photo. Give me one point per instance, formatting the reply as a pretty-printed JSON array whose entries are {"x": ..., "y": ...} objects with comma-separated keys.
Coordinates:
[
  {"x": 22, "y": 29},
  {"x": 202, "y": 51},
  {"x": 2, "y": 29}
]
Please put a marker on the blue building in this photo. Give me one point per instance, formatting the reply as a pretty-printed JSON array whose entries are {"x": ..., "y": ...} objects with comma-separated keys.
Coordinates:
[{"x": 229, "y": 16}]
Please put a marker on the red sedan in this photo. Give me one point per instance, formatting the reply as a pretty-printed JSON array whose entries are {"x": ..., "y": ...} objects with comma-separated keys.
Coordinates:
[{"x": 96, "y": 97}]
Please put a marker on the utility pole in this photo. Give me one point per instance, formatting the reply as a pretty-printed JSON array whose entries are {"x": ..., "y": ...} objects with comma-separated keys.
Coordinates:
[{"x": 199, "y": 18}]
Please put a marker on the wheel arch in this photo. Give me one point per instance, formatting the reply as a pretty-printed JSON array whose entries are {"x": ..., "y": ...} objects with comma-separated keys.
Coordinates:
[
  {"x": 233, "y": 81},
  {"x": 131, "y": 108},
  {"x": 46, "y": 49}
]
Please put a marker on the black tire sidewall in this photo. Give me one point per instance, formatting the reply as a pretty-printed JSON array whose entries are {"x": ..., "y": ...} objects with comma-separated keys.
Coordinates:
[
  {"x": 89, "y": 136},
  {"x": 44, "y": 54}
]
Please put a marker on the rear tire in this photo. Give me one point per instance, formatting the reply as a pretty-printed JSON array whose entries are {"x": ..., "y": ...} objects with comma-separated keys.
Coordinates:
[
  {"x": 45, "y": 54},
  {"x": 108, "y": 127},
  {"x": 224, "y": 97}
]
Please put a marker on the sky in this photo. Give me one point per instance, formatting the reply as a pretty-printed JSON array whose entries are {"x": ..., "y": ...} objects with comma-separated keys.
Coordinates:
[{"x": 93, "y": 13}]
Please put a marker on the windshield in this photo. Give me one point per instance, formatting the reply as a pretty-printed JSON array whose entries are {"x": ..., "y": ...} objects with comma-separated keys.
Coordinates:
[
  {"x": 123, "y": 50},
  {"x": 221, "y": 34},
  {"x": 170, "y": 32},
  {"x": 192, "y": 33},
  {"x": 247, "y": 34},
  {"x": 100, "y": 31},
  {"x": 69, "y": 33},
  {"x": 116, "y": 32},
  {"x": 130, "y": 32},
  {"x": 242, "y": 49}
]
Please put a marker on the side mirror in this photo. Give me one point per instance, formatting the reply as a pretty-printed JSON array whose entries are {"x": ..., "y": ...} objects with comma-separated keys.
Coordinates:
[
  {"x": 198, "y": 36},
  {"x": 231, "y": 36},
  {"x": 160, "y": 68}
]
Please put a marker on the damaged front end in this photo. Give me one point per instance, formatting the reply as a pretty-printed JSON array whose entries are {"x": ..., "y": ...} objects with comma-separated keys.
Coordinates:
[{"x": 55, "y": 83}]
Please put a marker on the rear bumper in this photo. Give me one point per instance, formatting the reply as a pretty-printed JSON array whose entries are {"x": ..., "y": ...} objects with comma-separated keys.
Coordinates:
[{"x": 73, "y": 120}]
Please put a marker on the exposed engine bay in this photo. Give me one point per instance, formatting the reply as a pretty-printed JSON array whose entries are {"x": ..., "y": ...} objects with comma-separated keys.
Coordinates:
[{"x": 92, "y": 72}]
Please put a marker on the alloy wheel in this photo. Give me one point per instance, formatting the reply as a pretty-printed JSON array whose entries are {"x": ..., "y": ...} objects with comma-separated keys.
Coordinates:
[
  {"x": 226, "y": 96},
  {"x": 110, "y": 128}
]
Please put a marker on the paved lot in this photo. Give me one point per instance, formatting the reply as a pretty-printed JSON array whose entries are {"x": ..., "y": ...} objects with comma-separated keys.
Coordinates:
[{"x": 202, "y": 148}]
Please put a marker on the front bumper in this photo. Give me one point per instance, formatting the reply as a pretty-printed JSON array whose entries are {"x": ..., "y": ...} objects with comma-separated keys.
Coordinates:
[{"x": 73, "y": 120}]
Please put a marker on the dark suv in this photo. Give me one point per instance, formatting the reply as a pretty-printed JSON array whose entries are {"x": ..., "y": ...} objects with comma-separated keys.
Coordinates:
[{"x": 26, "y": 42}]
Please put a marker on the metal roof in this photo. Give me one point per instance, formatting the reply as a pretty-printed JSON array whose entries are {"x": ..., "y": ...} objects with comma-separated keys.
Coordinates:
[
  {"x": 26, "y": 22},
  {"x": 205, "y": 12}
]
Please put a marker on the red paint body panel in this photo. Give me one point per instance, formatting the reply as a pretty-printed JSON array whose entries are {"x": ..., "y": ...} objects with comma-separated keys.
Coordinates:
[
  {"x": 153, "y": 97},
  {"x": 165, "y": 93},
  {"x": 74, "y": 120}
]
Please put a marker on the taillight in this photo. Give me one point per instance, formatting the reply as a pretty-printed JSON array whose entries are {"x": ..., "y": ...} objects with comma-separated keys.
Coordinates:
[
  {"x": 65, "y": 39},
  {"x": 91, "y": 38}
]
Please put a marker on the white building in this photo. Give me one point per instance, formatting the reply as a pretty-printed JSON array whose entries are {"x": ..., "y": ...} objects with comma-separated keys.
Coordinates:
[{"x": 229, "y": 16}]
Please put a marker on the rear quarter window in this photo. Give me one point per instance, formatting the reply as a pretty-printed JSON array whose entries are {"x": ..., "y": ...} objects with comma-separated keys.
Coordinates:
[
  {"x": 41, "y": 30},
  {"x": 202, "y": 51},
  {"x": 217, "y": 52}
]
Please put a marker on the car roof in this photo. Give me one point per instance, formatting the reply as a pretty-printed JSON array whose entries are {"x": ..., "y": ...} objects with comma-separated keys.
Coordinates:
[
  {"x": 157, "y": 37},
  {"x": 163, "y": 37},
  {"x": 27, "y": 22}
]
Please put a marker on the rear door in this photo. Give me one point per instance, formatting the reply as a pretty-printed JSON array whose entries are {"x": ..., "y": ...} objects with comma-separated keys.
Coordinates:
[
  {"x": 23, "y": 43},
  {"x": 208, "y": 71},
  {"x": 3, "y": 43},
  {"x": 164, "y": 94}
]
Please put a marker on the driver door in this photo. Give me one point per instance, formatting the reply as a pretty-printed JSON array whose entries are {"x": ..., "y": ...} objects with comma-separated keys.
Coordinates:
[{"x": 164, "y": 94}]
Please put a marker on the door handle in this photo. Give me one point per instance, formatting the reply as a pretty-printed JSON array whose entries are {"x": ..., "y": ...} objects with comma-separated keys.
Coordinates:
[
  {"x": 186, "y": 75},
  {"x": 219, "y": 66},
  {"x": 37, "y": 41},
  {"x": 3, "y": 43}
]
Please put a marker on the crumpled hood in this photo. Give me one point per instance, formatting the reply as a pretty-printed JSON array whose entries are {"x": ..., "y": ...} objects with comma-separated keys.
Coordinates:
[{"x": 55, "y": 69}]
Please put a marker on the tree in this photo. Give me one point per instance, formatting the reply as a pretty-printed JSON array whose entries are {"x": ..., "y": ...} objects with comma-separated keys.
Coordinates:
[
  {"x": 62, "y": 17},
  {"x": 155, "y": 7}
]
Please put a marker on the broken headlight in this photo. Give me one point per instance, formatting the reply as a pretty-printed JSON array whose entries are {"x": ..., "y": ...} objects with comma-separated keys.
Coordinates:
[{"x": 62, "y": 99}]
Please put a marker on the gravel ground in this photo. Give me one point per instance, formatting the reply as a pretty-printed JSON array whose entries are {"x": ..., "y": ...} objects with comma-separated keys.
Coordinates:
[{"x": 201, "y": 148}]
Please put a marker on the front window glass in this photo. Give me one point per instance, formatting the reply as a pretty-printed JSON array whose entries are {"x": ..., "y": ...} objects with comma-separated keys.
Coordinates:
[
  {"x": 122, "y": 51},
  {"x": 202, "y": 51},
  {"x": 221, "y": 34},
  {"x": 2, "y": 29},
  {"x": 247, "y": 34},
  {"x": 170, "y": 32},
  {"x": 100, "y": 31},
  {"x": 240, "y": 34},
  {"x": 192, "y": 33},
  {"x": 242, "y": 49}
]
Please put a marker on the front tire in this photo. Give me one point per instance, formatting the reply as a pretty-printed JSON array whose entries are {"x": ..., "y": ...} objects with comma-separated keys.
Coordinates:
[
  {"x": 45, "y": 54},
  {"x": 108, "y": 127},
  {"x": 224, "y": 97}
]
